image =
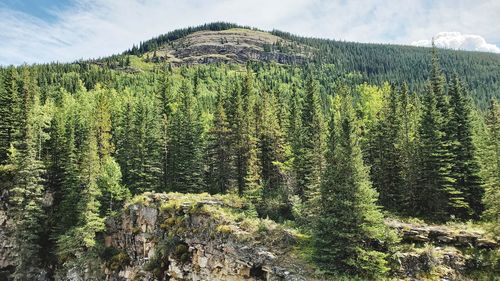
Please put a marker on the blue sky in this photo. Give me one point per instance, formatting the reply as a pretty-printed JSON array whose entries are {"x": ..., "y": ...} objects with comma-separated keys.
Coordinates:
[
  {"x": 43, "y": 9},
  {"x": 36, "y": 31}
]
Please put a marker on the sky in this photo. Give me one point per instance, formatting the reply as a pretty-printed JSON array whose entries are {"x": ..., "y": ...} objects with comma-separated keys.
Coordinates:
[{"x": 38, "y": 31}]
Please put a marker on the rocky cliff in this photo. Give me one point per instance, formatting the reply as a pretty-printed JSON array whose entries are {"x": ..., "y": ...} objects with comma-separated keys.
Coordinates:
[
  {"x": 235, "y": 45},
  {"x": 202, "y": 237},
  {"x": 198, "y": 237}
]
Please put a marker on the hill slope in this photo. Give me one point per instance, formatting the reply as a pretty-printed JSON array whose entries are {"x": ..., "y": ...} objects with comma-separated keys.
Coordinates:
[
  {"x": 235, "y": 45},
  {"x": 218, "y": 42}
]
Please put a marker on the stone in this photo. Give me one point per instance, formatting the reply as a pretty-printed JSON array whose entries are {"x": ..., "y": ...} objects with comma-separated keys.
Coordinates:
[
  {"x": 486, "y": 243},
  {"x": 418, "y": 238},
  {"x": 445, "y": 239},
  {"x": 150, "y": 215},
  {"x": 211, "y": 254}
]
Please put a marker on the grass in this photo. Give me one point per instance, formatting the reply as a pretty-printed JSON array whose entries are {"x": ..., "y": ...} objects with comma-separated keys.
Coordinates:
[{"x": 139, "y": 63}]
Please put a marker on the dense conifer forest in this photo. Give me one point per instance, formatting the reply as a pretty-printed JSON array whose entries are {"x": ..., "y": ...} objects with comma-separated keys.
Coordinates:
[{"x": 331, "y": 147}]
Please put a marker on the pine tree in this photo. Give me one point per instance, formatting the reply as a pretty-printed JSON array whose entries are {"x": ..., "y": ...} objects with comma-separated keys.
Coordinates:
[
  {"x": 29, "y": 190},
  {"x": 309, "y": 161},
  {"x": 219, "y": 157},
  {"x": 9, "y": 112},
  {"x": 253, "y": 184},
  {"x": 349, "y": 220},
  {"x": 142, "y": 146},
  {"x": 385, "y": 154},
  {"x": 186, "y": 145},
  {"x": 165, "y": 99},
  {"x": 409, "y": 116},
  {"x": 491, "y": 169},
  {"x": 465, "y": 169},
  {"x": 437, "y": 196}
]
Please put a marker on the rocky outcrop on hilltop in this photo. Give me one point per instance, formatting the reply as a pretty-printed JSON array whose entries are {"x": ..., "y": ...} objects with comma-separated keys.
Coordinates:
[{"x": 231, "y": 46}]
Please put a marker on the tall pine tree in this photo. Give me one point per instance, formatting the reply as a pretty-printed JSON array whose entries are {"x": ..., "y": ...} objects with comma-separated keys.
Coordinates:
[
  {"x": 465, "y": 169},
  {"x": 310, "y": 160},
  {"x": 349, "y": 221}
]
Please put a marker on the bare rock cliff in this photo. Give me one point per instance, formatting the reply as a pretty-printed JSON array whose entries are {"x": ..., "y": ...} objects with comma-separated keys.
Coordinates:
[{"x": 182, "y": 237}]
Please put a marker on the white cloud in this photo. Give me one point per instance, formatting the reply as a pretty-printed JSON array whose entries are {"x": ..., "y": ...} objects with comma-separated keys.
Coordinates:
[
  {"x": 459, "y": 41},
  {"x": 93, "y": 28}
]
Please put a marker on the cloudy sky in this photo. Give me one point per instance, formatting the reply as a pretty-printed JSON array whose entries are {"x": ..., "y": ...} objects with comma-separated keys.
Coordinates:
[{"x": 35, "y": 31}]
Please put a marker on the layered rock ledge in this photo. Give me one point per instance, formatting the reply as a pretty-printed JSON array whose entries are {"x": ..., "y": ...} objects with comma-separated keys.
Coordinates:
[{"x": 197, "y": 237}]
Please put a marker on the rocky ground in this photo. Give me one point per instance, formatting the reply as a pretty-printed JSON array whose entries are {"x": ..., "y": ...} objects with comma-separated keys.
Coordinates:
[{"x": 202, "y": 237}]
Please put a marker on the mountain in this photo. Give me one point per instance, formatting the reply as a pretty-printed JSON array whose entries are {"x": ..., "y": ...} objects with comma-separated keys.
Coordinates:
[
  {"x": 236, "y": 45},
  {"x": 223, "y": 152},
  {"x": 231, "y": 43}
]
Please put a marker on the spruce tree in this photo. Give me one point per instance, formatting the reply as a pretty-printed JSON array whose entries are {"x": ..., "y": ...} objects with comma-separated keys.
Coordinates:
[
  {"x": 253, "y": 183},
  {"x": 9, "y": 111},
  {"x": 143, "y": 148},
  {"x": 385, "y": 154},
  {"x": 273, "y": 159},
  {"x": 70, "y": 184},
  {"x": 409, "y": 162},
  {"x": 77, "y": 246},
  {"x": 218, "y": 150},
  {"x": 103, "y": 124},
  {"x": 165, "y": 97},
  {"x": 238, "y": 139},
  {"x": 437, "y": 196},
  {"x": 114, "y": 193},
  {"x": 349, "y": 221},
  {"x": 309, "y": 162},
  {"x": 465, "y": 169},
  {"x": 439, "y": 199},
  {"x": 186, "y": 144},
  {"x": 28, "y": 191},
  {"x": 491, "y": 168},
  {"x": 244, "y": 139}
]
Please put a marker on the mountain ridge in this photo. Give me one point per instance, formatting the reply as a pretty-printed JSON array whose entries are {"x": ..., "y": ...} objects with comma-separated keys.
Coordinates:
[{"x": 377, "y": 63}]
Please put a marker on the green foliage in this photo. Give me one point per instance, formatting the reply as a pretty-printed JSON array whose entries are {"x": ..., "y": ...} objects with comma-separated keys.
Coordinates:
[
  {"x": 91, "y": 135},
  {"x": 491, "y": 168},
  {"x": 438, "y": 197},
  {"x": 465, "y": 170},
  {"x": 309, "y": 162},
  {"x": 109, "y": 182},
  {"x": 350, "y": 224}
]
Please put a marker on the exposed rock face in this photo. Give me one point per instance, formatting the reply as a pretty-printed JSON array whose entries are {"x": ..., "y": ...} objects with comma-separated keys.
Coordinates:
[
  {"x": 203, "y": 237},
  {"x": 442, "y": 252},
  {"x": 168, "y": 238},
  {"x": 231, "y": 46},
  {"x": 6, "y": 228},
  {"x": 443, "y": 236}
]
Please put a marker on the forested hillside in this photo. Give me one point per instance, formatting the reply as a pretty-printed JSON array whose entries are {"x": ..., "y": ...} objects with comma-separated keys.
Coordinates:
[
  {"x": 329, "y": 147},
  {"x": 377, "y": 63}
]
